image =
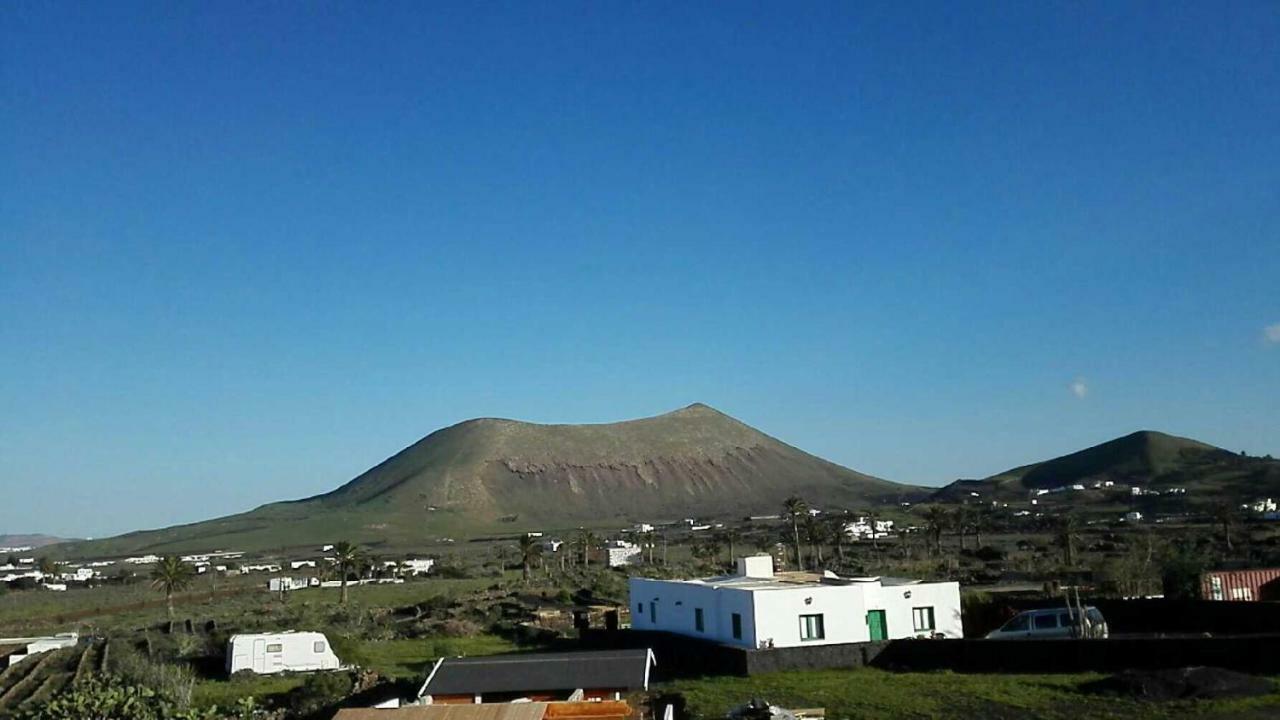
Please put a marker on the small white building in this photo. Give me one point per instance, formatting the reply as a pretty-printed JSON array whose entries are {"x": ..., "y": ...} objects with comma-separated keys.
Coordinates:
[
  {"x": 757, "y": 608},
  {"x": 863, "y": 528},
  {"x": 295, "y": 564},
  {"x": 143, "y": 560},
  {"x": 36, "y": 645},
  {"x": 418, "y": 566},
  {"x": 266, "y": 653},
  {"x": 289, "y": 584},
  {"x": 621, "y": 552}
]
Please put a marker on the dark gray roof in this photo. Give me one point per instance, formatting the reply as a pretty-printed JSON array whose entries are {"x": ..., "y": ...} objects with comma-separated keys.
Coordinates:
[{"x": 533, "y": 672}]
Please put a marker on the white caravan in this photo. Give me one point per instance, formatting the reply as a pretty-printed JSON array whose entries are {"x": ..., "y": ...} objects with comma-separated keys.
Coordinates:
[{"x": 266, "y": 653}]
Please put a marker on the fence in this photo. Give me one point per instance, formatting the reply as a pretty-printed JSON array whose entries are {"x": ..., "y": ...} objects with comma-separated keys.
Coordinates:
[{"x": 680, "y": 656}]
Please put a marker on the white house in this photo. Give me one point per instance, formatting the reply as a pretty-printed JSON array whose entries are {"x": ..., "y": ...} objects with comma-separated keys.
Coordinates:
[
  {"x": 288, "y": 584},
  {"x": 863, "y": 528},
  {"x": 418, "y": 566},
  {"x": 757, "y": 608},
  {"x": 621, "y": 552},
  {"x": 143, "y": 560},
  {"x": 295, "y": 564},
  {"x": 266, "y": 653}
]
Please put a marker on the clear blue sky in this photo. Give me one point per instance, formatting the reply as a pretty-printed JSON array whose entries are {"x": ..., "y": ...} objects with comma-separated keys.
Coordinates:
[{"x": 249, "y": 250}]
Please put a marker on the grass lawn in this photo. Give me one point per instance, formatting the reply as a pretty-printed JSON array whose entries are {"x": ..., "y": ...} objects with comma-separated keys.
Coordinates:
[
  {"x": 411, "y": 658},
  {"x": 874, "y": 694},
  {"x": 112, "y": 606},
  {"x": 224, "y": 693}
]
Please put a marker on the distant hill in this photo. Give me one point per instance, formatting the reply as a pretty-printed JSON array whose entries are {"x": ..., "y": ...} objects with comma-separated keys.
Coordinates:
[
  {"x": 491, "y": 474},
  {"x": 1146, "y": 459},
  {"x": 30, "y": 540}
]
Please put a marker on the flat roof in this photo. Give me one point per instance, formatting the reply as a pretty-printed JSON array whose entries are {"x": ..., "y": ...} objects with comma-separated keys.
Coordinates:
[
  {"x": 790, "y": 581},
  {"x": 532, "y": 672}
]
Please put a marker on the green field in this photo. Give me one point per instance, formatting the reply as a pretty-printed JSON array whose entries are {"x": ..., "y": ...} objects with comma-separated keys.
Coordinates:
[{"x": 875, "y": 694}]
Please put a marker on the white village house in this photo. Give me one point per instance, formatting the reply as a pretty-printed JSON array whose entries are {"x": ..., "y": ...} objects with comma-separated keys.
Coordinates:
[
  {"x": 759, "y": 608},
  {"x": 621, "y": 552}
]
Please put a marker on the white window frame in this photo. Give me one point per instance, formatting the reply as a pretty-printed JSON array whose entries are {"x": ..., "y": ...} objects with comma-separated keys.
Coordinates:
[
  {"x": 920, "y": 613},
  {"x": 813, "y": 627}
]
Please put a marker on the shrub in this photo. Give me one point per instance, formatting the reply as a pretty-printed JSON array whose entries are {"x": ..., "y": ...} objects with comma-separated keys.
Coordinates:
[
  {"x": 320, "y": 692},
  {"x": 987, "y": 553},
  {"x": 460, "y": 628},
  {"x": 112, "y": 698}
]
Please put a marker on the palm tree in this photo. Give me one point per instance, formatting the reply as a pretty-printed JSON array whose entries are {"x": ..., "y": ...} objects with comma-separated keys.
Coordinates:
[
  {"x": 935, "y": 520},
  {"x": 837, "y": 534},
  {"x": 48, "y": 566},
  {"x": 729, "y": 536},
  {"x": 871, "y": 521},
  {"x": 904, "y": 543},
  {"x": 586, "y": 541},
  {"x": 1224, "y": 513},
  {"x": 347, "y": 558},
  {"x": 981, "y": 520},
  {"x": 169, "y": 575},
  {"x": 960, "y": 523},
  {"x": 794, "y": 509},
  {"x": 816, "y": 533},
  {"x": 530, "y": 551},
  {"x": 1065, "y": 536}
]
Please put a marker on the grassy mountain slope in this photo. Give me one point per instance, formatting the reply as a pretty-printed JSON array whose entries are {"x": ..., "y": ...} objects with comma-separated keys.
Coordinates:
[
  {"x": 488, "y": 474},
  {"x": 1144, "y": 458}
]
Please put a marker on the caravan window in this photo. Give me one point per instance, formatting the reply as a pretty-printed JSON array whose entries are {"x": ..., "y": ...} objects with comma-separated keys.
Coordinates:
[
  {"x": 319, "y": 646},
  {"x": 275, "y": 647}
]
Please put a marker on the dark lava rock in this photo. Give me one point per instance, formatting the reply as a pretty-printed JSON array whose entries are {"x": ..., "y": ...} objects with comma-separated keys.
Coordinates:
[{"x": 1180, "y": 684}]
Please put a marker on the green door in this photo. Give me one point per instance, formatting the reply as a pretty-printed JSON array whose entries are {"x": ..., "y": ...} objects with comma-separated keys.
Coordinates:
[{"x": 876, "y": 623}]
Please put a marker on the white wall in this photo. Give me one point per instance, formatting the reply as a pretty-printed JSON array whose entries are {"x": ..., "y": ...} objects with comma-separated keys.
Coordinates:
[
  {"x": 774, "y": 614},
  {"x": 944, "y": 598},
  {"x": 676, "y": 602},
  {"x": 842, "y": 608}
]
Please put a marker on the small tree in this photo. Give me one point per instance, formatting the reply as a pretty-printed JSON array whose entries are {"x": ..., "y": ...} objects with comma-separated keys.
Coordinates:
[
  {"x": 530, "y": 551},
  {"x": 171, "y": 575},
  {"x": 794, "y": 510},
  {"x": 347, "y": 558}
]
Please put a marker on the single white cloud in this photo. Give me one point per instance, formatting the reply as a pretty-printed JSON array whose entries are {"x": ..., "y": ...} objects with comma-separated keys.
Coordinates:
[
  {"x": 1079, "y": 388},
  {"x": 1271, "y": 333}
]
